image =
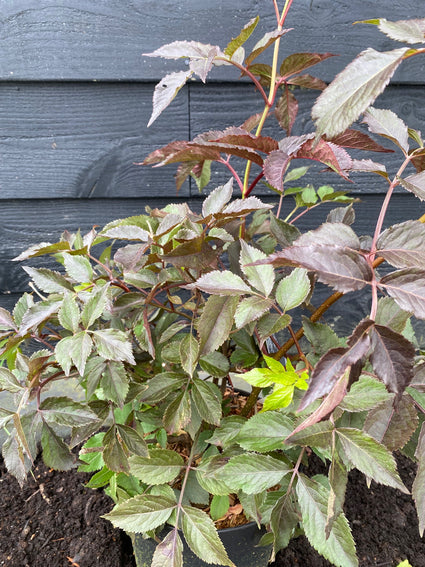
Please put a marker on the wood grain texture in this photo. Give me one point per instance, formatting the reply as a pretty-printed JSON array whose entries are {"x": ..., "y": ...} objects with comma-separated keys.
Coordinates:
[
  {"x": 105, "y": 39},
  {"x": 83, "y": 140},
  {"x": 219, "y": 106},
  {"x": 24, "y": 223}
]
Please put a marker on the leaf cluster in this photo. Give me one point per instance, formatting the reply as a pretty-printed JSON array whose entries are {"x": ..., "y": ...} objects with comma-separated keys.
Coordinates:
[{"x": 164, "y": 347}]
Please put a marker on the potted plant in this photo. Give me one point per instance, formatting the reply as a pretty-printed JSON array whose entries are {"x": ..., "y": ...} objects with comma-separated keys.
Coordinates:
[{"x": 197, "y": 402}]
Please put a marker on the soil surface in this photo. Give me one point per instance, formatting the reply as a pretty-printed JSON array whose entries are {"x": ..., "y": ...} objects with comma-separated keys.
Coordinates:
[{"x": 54, "y": 521}]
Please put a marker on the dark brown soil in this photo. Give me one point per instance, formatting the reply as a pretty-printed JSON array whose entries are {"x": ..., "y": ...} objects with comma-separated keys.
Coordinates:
[{"x": 54, "y": 522}]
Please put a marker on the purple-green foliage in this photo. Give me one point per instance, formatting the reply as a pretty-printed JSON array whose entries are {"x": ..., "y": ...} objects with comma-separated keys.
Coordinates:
[{"x": 155, "y": 316}]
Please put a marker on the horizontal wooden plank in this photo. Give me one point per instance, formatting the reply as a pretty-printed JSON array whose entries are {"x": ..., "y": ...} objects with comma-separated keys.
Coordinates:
[
  {"x": 220, "y": 106},
  {"x": 83, "y": 140},
  {"x": 104, "y": 40},
  {"x": 24, "y": 223}
]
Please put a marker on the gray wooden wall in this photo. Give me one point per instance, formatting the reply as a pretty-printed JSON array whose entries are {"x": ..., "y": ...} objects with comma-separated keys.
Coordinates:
[{"x": 76, "y": 92}]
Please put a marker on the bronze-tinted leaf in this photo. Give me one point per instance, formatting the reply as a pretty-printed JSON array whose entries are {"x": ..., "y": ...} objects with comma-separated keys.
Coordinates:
[
  {"x": 392, "y": 358},
  {"x": 286, "y": 111},
  {"x": 274, "y": 168},
  {"x": 392, "y": 427},
  {"x": 358, "y": 140},
  {"x": 297, "y": 62},
  {"x": 407, "y": 287},
  {"x": 335, "y": 362},
  {"x": 403, "y": 245}
]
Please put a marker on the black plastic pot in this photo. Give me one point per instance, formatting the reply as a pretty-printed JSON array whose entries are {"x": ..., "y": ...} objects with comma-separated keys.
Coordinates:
[{"x": 240, "y": 544}]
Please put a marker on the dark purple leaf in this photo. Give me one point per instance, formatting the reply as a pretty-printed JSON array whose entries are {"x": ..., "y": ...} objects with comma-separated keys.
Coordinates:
[
  {"x": 307, "y": 82},
  {"x": 286, "y": 111},
  {"x": 407, "y": 287},
  {"x": 332, "y": 400},
  {"x": 358, "y": 140},
  {"x": 335, "y": 362},
  {"x": 274, "y": 168},
  {"x": 328, "y": 153},
  {"x": 392, "y": 358},
  {"x": 403, "y": 245},
  {"x": 240, "y": 137},
  {"x": 390, "y": 426},
  {"x": 297, "y": 62}
]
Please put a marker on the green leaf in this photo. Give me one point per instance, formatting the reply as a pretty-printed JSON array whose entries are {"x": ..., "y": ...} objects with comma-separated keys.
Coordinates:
[
  {"x": 219, "y": 506},
  {"x": 56, "y": 453},
  {"x": 202, "y": 537},
  {"x": 210, "y": 475},
  {"x": 169, "y": 553},
  {"x": 260, "y": 277},
  {"x": 69, "y": 313},
  {"x": 141, "y": 513},
  {"x": 215, "y": 364},
  {"x": 189, "y": 353},
  {"x": 240, "y": 39},
  {"x": 160, "y": 467},
  {"x": 16, "y": 463},
  {"x": 36, "y": 314},
  {"x": 293, "y": 289},
  {"x": 115, "y": 382},
  {"x": 95, "y": 306},
  {"x": 283, "y": 521},
  {"x": 74, "y": 349},
  {"x": 113, "y": 452},
  {"x": 250, "y": 309},
  {"x": 113, "y": 344},
  {"x": 206, "y": 398},
  {"x": 78, "y": 267},
  {"x": 316, "y": 435},
  {"x": 48, "y": 280},
  {"x": 265, "y": 432},
  {"x": 254, "y": 473},
  {"x": 162, "y": 385},
  {"x": 221, "y": 283},
  {"x": 365, "y": 394},
  {"x": 371, "y": 458},
  {"x": 418, "y": 488},
  {"x": 284, "y": 232},
  {"x": 354, "y": 90},
  {"x": 9, "y": 382},
  {"x": 172, "y": 330},
  {"x": 41, "y": 249},
  {"x": 321, "y": 336},
  {"x": 65, "y": 411},
  {"x": 339, "y": 547},
  {"x": 338, "y": 478},
  {"x": 216, "y": 322},
  {"x": 227, "y": 432},
  {"x": 132, "y": 440},
  {"x": 177, "y": 415},
  {"x": 390, "y": 315}
]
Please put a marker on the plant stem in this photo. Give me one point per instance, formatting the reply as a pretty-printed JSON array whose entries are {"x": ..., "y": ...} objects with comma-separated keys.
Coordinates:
[
  {"x": 273, "y": 88},
  {"x": 378, "y": 229},
  {"x": 232, "y": 171}
]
